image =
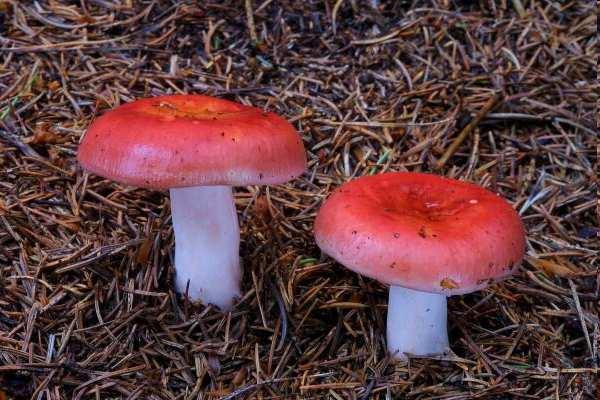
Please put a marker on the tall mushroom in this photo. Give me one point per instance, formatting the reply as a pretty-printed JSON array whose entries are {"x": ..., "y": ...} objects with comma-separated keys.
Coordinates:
[
  {"x": 198, "y": 147},
  {"x": 426, "y": 236}
]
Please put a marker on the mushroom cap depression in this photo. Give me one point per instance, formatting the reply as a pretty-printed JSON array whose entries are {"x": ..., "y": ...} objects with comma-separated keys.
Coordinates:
[
  {"x": 421, "y": 231},
  {"x": 192, "y": 140}
]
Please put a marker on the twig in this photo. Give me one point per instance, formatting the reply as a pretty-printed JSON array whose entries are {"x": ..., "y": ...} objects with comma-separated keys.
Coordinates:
[
  {"x": 577, "y": 125},
  {"x": 382, "y": 124},
  {"x": 16, "y": 141},
  {"x": 488, "y": 106},
  {"x": 517, "y": 117},
  {"x": 250, "y": 19},
  {"x": 282, "y": 313},
  {"x": 243, "y": 390},
  {"x": 581, "y": 317},
  {"x": 519, "y": 8},
  {"x": 383, "y": 38},
  {"x": 334, "y": 12}
]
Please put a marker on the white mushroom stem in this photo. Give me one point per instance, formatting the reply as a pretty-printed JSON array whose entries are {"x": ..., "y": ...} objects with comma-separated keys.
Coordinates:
[
  {"x": 416, "y": 323},
  {"x": 207, "y": 241}
]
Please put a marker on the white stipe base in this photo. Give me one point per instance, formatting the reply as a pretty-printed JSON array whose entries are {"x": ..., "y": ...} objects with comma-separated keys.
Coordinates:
[
  {"x": 207, "y": 241},
  {"x": 416, "y": 323}
]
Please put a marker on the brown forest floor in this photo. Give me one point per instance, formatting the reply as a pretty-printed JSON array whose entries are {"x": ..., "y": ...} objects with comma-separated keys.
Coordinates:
[{"x": 86, "y": 302}]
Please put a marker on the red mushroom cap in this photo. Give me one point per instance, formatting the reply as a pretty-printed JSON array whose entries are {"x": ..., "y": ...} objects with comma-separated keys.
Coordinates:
[
  {"x": 192, "y": 140},
  {"x": 421, "y": 231}
]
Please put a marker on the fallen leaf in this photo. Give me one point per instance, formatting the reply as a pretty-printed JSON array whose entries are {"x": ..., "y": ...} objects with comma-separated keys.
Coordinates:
[
  {"x": 239, "y": 377},
  {"x": 144, "y": 252},
  {"x": 53, "y": 85},
  {"x": 552, "y": 268},
  {"x": 43, "y": 135},
  {"x": 261, "y": 208},
  {"x": 448, "y": 283}
]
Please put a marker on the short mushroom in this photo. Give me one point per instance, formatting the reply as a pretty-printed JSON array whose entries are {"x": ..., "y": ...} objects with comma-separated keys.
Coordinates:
[
  {"x": 198, "y": 147},
  {"x": 426, "y": 236}
]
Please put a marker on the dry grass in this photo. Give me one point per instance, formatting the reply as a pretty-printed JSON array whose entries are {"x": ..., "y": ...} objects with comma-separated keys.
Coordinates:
[{"x": 86, "y": 303}]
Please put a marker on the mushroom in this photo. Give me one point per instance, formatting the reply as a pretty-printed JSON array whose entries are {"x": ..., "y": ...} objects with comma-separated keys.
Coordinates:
[
  {"x": 426, "y": 236},
  {"x": 197, "y": 147}
]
